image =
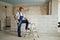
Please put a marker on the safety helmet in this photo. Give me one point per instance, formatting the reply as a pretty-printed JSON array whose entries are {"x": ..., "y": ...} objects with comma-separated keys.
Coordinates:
[{"x": 20, "y": 8}]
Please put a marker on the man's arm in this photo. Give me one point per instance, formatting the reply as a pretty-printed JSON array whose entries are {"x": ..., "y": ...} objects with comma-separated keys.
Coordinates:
[
  {"x": 25, "y": 18},
  {"x": 15, "y": 17},
  {"x": 24, "y": 15}
]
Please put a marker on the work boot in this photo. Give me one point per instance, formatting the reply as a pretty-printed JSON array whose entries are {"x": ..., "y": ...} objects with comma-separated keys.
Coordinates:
[{"x": 19, "y": 36}]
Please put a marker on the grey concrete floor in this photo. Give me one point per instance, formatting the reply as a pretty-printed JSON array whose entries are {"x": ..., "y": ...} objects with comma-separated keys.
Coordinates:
[{"x": 42, "y": 36}]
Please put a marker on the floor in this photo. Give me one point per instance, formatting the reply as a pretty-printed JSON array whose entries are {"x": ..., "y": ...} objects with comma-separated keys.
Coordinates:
[{"x": 5, "y": 35}]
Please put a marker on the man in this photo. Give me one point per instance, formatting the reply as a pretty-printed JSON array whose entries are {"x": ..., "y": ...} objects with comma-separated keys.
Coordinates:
[{"x": 22, "y": 19}]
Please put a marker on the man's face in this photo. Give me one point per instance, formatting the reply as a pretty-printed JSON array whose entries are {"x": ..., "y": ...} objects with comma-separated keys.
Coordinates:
[{"x": 22, "y": 10}]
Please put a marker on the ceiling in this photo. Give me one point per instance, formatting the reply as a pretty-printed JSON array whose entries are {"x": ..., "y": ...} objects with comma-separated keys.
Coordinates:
[{"x": 14, "y": 2}]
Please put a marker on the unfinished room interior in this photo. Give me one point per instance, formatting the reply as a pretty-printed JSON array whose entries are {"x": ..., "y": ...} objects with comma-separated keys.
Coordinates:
[{"x": 43, "y": 17}]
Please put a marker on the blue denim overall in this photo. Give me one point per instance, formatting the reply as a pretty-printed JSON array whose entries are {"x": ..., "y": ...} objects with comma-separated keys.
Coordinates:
[{"x": 19, "y": 25}]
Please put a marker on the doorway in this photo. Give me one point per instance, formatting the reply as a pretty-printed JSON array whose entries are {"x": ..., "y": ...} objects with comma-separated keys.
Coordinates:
[{"x": 5, "y": 20}]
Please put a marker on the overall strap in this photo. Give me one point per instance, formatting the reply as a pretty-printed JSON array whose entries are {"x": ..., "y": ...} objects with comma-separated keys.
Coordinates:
[{"x": 21, "y": 17}]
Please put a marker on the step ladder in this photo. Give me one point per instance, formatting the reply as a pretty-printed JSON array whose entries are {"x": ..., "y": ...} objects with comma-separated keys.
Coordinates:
[{"x": 32, "y": 31}]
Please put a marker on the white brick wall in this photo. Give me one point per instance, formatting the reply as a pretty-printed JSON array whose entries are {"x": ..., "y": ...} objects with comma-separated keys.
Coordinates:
[{"x": 43, "y": 23}]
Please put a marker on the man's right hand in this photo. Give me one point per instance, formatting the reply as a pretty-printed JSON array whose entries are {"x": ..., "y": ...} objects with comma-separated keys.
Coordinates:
[{"x": 15, "y": 17}]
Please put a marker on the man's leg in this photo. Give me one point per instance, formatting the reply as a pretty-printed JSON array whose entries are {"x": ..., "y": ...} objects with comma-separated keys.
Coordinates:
[
  {"x": 19, "y": 29},
  {"x": 27, "y": 23}
]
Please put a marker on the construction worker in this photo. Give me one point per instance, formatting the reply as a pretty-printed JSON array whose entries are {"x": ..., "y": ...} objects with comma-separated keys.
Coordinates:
[{"x": 22, "y": 19}]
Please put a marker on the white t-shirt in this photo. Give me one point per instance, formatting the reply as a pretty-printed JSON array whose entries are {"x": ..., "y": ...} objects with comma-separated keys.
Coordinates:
[{"x": 20, "y": 14}]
